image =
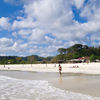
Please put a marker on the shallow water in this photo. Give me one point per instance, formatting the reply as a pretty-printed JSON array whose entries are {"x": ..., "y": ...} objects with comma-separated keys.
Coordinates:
[{"x": 16, "y": 85}]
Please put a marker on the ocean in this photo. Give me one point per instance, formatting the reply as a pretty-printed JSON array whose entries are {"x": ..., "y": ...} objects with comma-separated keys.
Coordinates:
[{"x": 14, "y": 87}]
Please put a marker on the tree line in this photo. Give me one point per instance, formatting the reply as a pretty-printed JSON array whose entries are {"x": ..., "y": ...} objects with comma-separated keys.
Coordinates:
[
  {"x": 76, "y": 51},
  {"x": 34, "y": 59}
]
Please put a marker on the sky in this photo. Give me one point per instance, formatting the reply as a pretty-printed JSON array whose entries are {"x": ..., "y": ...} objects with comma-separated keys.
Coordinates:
[{"x": 40, "y": 27}]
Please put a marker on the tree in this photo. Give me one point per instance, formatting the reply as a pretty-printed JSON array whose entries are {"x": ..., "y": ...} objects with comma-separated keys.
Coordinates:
[
  {"x": 92, "y": 58},
  {"x": 18, "y": 59},
  {"x": 62, "y": 50},
  {"x": 31, "y": 59},
  {"x": 78, "y": 50},
  {"x": 76, "y": 55},
  {"x": 54, "y": 60},
  {"x": 74, "y": 48}
]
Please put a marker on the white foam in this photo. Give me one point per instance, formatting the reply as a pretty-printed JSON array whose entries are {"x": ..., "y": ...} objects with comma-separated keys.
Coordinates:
[{"x": 18, "y": 89}]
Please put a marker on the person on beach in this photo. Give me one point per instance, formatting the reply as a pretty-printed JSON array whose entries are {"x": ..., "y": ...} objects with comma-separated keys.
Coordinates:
[{"x": 60, "y": 69}]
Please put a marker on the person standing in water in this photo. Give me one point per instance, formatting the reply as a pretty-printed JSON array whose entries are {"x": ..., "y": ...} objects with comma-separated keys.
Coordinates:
[{"x": 60, "y": 69}]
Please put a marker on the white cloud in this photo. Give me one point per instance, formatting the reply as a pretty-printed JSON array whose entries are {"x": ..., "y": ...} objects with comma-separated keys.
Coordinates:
[
  {"x": 4, "y": 23},
  {"x": 5, "y": 44},
  {"x": 14, "y": 34},
  {"x": 48, "y": 12},
  {"x": 37, "y": 35},
  {"x": 91, "y": 10},
  {"x": 24, "y": 33},
  {"x": 56, "y": 18},
  {"x": 79, "y": 3},
  {"x": 24, "y": 23}
]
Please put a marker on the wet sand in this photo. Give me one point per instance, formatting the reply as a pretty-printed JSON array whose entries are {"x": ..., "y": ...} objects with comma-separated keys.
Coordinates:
[
  {"x": 84, "y": 84},
  {"x": 80, "y": 83}
]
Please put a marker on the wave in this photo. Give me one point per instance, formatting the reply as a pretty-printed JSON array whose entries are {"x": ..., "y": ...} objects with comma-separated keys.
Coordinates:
[{"x": 18, "y": 89}]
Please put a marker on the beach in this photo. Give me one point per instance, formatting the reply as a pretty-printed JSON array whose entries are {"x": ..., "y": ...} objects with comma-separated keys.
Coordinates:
[
  {"x": 90, "y": 68},
  {"x": 43, "y": 82}
]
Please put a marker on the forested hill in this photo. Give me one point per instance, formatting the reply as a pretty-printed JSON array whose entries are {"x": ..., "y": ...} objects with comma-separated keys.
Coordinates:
[
  {"x": 76, "y": 51},
  {"x": 24, "y": 60}
]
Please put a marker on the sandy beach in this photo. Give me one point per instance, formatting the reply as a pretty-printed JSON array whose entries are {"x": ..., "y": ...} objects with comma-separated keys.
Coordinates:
[
  {"x": 43, "y": 82},
  {"x": 91, "y": 68}
]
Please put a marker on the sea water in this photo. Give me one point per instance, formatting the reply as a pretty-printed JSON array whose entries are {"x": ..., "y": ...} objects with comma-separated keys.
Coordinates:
[{"x": 21, "y": 89}]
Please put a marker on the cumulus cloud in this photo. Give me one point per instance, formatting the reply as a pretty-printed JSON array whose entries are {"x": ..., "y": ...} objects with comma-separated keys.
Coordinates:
[
  {"x": 37, "y": 35},
  {"x": 20, "y": 47},
  {"x": 78, "y": 3},
  {"x": 24, "y": 23},
  {"x": 92, "y": 12},
  {"x": 48, "y": 25},
  {"x": 5, "y": 44},
  {"x": 4, "y": 23},
  {"x": 48, "y": 12},
  {"x": 24, "y": 33}
]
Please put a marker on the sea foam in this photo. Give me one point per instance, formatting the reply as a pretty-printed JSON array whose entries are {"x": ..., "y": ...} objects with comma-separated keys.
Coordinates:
[{"x": 18, "y": 89}]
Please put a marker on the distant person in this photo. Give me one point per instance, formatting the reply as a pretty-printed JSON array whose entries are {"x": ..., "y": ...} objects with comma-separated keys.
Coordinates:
[
  {"x": 87, "y": 62},
  {"x": 8, "y": 67},
  {"x": 60, "y": 69}
]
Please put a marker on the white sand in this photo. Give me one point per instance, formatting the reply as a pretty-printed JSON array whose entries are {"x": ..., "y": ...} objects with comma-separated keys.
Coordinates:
[{"x": 91, "y": 68}]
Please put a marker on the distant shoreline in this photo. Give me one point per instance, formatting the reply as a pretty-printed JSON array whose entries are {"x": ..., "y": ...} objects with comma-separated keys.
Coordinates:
[{"x": 83, "y": 68}]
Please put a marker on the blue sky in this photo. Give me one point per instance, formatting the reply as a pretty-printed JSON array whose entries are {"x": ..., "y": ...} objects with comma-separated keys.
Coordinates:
[
  {"x": 40, "y": 27},
  {"x": 6, "y": 9}
]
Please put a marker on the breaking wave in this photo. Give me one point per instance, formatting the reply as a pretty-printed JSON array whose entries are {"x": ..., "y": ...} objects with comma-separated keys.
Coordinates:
[{"x": 18, "y": 89}]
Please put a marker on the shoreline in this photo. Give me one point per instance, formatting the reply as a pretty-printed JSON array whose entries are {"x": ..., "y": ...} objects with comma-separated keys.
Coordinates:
[
  {"x": 82, "y": 84},
  {"x": 84, "y": 68}
]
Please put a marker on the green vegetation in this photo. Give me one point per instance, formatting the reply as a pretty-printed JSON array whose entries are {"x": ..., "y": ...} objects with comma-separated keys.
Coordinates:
[
  {"x": 34, "y": 59},
  {"x": 65, "y": 54},
  {"x": 77, "y": 51}
]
